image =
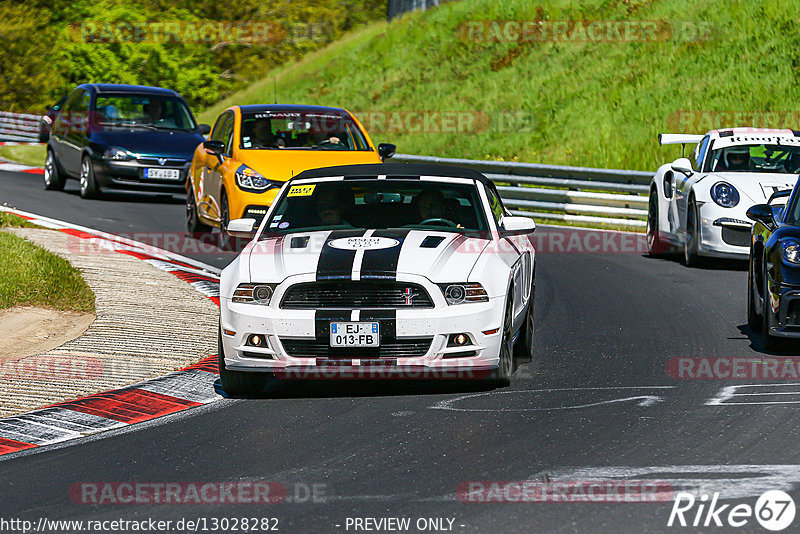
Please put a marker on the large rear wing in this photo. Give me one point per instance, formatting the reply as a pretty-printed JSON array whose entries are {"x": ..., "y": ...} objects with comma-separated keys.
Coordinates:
[{"x": 679, "y": 139}]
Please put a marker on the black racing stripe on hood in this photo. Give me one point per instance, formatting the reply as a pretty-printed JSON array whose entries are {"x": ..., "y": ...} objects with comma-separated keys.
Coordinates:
[
  {"x": 387, "y": 320},
  {"x": 334, "y": 263},
  {"x": 382, "y": 263}
]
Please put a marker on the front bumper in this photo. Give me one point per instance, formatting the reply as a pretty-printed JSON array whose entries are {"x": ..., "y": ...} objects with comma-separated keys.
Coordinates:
[
  {"x": 244, "y": 204},
  {"x": 784, "y": 310},
  {"x": 288, "y": 328},
  {"x": 724, "y": 236},
  {"x": 129, "y": 175}
]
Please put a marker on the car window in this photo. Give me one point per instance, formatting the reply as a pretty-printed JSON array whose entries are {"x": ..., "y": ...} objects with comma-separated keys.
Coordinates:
[
  {"x": 73, "y": 100},
  {"x": 223, "y": 127},
  {"x": 145, "y": 111},
  {"x": 79, "y": 114},
  {"x": 496, "y": 206},
  {"x": 700, "y": 154},
  {"x": 379, "y": 204},
  {"x": 761, "y": 158},
  {"x": 226, "y": 134},
  {"x": 301, "y": 130}
]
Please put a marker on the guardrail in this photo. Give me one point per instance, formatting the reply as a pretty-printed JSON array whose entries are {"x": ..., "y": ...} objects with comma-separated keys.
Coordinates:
[
  {"x": 395, "y": 8},
  {"x": 19, "y": 126},
  {"x": 559, "y": 193}
]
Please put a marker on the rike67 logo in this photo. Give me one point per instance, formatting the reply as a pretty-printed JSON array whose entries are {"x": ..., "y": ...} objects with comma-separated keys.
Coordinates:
[{"x": 774, "y": 510}]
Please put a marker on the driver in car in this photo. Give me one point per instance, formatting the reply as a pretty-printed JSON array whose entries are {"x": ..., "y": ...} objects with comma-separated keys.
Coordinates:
[
  {"x": 154, "y": 113},
  {"x": 331, "y": 206},
  {"x": 737, "y": 158}
]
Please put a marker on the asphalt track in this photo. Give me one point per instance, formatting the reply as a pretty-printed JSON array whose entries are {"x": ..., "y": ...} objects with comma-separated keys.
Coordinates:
[{"x": 597, "y": 396}]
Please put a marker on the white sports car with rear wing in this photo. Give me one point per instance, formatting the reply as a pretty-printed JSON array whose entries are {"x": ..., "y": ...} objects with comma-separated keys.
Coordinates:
[
  {"x": 397, "y": 271},
  {"x": 698, "y": 205}
]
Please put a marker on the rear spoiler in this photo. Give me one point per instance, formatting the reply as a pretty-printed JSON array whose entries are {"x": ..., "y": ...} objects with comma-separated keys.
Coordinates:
[{"x": 679, "y": 139}]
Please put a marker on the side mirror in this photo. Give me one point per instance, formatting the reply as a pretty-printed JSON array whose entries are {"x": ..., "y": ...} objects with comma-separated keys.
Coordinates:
[
  {"x": 204, "y": 129},
  {"x": 386, "y": 150},
  {"x": 518, "y": 225},
  {"x": 762, "y": 213},
  {"x": 683, "y": 166},
  {"x": 214, "y": 148},
  {"x": 244, "y": 228}
]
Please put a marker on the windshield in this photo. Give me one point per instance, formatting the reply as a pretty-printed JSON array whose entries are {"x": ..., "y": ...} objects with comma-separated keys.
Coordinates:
[
  {"x": 147, "y": 112},
  {"x": 301, "y": 131},
  {"x": 756, "y": 158},
  {"x": 378, "y": 204}
]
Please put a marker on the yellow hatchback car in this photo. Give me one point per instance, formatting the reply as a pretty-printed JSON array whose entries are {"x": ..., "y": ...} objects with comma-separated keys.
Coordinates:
[{"x": 253, "y": 150}]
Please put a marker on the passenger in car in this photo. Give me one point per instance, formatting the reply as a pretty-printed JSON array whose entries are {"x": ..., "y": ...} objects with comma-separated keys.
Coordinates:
[{"x": 431, "y": 205}]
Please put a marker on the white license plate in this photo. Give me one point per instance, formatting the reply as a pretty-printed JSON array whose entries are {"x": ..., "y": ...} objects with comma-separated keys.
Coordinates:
[
  {"x": 162, "y": 174},
  {"x": 355, "y": 335}
]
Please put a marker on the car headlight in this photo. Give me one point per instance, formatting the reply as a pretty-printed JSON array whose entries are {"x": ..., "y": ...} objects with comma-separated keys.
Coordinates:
[
  {"x": 724, "y": 194},
  {"x": 117, "y": 154},
  {"x": 790, "y": 248},
  {"x": 254, "y": 293},
  {"x": 464, "y": 292},
  {"x": 250, "y": 180}
]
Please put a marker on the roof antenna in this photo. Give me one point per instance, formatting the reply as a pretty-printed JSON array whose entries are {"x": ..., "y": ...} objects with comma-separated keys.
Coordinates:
[{"x": 275, "y": 87}]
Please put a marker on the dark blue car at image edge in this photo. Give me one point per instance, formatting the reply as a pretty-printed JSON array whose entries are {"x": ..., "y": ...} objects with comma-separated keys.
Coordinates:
[{"x": 126, "y": 137}]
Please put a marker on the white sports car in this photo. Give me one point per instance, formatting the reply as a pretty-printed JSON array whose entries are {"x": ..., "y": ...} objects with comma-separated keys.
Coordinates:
[
  {"x": 699, "y": 204},
  {"x": 383, "y": 270}
]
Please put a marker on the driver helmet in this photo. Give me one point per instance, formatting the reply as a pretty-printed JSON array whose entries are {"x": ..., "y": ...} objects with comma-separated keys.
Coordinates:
[{"x": 741, "y": 155}]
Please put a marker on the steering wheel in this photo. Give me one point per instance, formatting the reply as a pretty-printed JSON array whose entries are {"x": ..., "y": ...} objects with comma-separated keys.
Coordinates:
[{"x": 446, "y": 222}]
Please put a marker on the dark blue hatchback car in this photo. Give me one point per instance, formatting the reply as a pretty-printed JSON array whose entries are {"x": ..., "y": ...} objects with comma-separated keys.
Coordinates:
[{"x": 128, "y": 137}]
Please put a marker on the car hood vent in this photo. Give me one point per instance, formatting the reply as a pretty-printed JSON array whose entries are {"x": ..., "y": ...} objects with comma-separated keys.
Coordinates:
[
  {"x": 432, "y": 241},
  {"x": 299, "y": 242}
]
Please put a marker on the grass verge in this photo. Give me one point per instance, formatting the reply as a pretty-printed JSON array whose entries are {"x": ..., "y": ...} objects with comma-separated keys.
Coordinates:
[
  {"x": 33, "y": 276},
  {"x": 32, "y": 155}
]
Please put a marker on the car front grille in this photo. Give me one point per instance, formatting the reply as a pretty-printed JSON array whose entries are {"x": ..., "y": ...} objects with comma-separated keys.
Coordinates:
[
  {"x": 312, "y": 348},
  {"x": 362, "y": 294},
  {"x": 738, "y": 237},
  {"x": 169, "y": 162}
]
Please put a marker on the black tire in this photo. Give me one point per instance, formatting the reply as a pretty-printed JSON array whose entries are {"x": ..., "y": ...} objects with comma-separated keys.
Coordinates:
[
  {"x": 523, "y": 348},
  {"x": 501, "y": 377},
  {"x": 238, "y": 382},
  {"x": 754, "y": 320},
  {"x": 193, "y": 223},
  {"x": 89, "y": 187},
  {"x": 226, "y": 242},
  {"x": 691, "y": 258},
  {"x": 54, "y": 179},
  {"x": 771, "y": 343},
  {"x": 655, "y": 245}
]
